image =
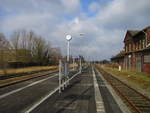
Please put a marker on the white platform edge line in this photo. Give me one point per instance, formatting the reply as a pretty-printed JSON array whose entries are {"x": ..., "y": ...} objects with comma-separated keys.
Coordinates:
[
  {"x": 29, "y": 85},
  {"x": 100, "y": 108},
  {"x": 46, "y": 97},
  {"x": 118, "y": 100}
]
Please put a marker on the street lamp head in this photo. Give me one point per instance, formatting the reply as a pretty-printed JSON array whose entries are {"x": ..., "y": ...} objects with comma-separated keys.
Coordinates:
[
  {"x": 68, "y": 37},
  {"x": 81, "y": 34}
]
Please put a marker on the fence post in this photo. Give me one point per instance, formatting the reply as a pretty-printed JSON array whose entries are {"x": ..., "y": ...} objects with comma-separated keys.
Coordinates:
[
  {"x": 60, "y": 75},
  {"x": 73, "y": 64},
  {"x": 80, "y": 65},
  {"x": 63, "y": 75},
  {"x": 67, "y": 73}
]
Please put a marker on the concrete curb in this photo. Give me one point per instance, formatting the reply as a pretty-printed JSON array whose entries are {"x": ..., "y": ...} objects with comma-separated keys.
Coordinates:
[
  {"x": 119, "y": 101},
  {"x": 132, "y": 85},
  {"x": 100, "y": 108}
]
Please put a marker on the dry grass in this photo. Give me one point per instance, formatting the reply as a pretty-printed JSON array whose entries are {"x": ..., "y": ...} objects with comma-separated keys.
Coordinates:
[
  {"x": 28, "y": 69},
  {"x": 46, "y": 69},
  {"x": 73, "y": 65},
  {"x": 140, "y": 79},
  {"x": 22, "y": 78}
]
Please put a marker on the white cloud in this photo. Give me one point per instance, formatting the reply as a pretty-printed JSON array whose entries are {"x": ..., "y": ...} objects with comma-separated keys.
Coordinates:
[
  {"x": 30, "y": 21},
  {"x": 94, "y": 6},
  {"x": 104, "y": 32},
  {"x": 71, "y": 5},
  {"x": 124, "y": 14}
]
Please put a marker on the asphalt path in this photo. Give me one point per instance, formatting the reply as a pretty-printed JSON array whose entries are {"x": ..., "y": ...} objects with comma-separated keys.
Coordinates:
[
  {"x": 86, "y": 93},
  {"x": 16, "y": 98},
  {"x": 16, "y": 86},
  {"x": 77, "y": 98}
]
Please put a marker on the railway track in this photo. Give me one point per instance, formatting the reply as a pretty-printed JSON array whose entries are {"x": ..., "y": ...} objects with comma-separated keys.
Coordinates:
[
  {"x": 3, "y": 77},
  {"x": 137, "y": 102},
  {"x": 17, "y": 79}
]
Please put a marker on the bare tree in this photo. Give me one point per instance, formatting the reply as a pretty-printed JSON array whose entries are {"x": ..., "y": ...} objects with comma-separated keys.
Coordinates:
[
  {"x": 31, "y": 48},
  {"x": 15, "y": 44},
  {"x": 55, "y": 55},
  {"x": 39, "y": 49},
  {"x": 20, "y": 42},
  {"x": 4, "y": 47}
]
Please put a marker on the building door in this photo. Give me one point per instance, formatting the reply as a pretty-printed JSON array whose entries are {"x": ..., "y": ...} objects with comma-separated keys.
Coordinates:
[
  {"x": 129, "y": 62},
  {"x": 138, "y": 64}
]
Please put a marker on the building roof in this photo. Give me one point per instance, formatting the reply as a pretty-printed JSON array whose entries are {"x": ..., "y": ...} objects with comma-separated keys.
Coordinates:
[
  {"x": 121, "y": 54},
  {"x": 148, "y": 27},
  {"x": 130, "y": 34},
  {"x": 133, "y": 32},
  {"x": 136, "y": 32}
]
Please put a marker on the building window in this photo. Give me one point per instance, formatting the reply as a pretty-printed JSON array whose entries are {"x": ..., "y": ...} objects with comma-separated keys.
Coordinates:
[
  {"x": 126, "y": 48},
  {"x": 146, "y": 58},
  {"x": 133, "y": 46},
  {"x": 136, "y": 45},
  {"x": 144, "y": 43},
  {"x": 129, "y": 47},
  {"x": 140, "y": 44}
]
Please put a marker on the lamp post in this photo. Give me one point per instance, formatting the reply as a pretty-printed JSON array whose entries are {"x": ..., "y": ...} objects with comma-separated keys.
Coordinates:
[
  {"x": 80, "y": 58},
  {"x": 68, "y": 38}
]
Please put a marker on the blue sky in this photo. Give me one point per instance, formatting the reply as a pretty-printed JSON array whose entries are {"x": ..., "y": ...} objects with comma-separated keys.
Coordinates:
[
  {"x": 104, "y": 22},
  {"x": 85, "y": 4}
]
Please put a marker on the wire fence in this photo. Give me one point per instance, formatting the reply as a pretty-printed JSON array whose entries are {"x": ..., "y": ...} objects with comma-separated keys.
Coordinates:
[{"x": 65, "y": 73}]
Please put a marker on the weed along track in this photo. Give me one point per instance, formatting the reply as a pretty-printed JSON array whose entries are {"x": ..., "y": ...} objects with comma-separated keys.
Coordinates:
[
  {"x": 137, "y": 102},
  {"x": 17, "y": 79},
  {"x": 4, "y": 77}
]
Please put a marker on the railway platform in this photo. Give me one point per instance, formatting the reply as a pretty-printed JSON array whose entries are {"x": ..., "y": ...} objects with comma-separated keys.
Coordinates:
[
  {"x": 86, "y": 93},
  {"x": 82, "y": 96}
]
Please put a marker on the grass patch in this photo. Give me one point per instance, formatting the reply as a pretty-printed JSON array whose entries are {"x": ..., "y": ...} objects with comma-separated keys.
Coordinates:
[
  {"x": 46, "y": 69},
  {"x": 140, "y": 79},
  {"x": 129, "y": 73},
  {"x": 28, "y": 69},
  {"x": 22, "y": 78}
]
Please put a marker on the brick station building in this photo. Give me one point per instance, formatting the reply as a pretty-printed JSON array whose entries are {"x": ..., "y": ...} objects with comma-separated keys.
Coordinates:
[{"x": 136, "y": 53}]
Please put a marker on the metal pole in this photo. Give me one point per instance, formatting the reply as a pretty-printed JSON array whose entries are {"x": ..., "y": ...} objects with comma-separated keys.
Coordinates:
[
  {"x": 68, "y": 55},
  {"x": 80, "y": 65},
  {"x": 73, "y": 64},
  {"x": 60, "y": 75},
  {"x": 68, "y": 50}
]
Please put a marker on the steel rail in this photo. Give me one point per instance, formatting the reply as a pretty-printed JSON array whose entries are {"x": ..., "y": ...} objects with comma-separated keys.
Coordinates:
[
  {"x": 126, "y": 97},
  {"x": 5, "y": 77},
  {"x": 19, "y": 81}
]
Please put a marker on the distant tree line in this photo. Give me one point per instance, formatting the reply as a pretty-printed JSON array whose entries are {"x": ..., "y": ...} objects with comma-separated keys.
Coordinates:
[
  {"x": 26, "y": 48},
  {"x": 102, "y": 61}
]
